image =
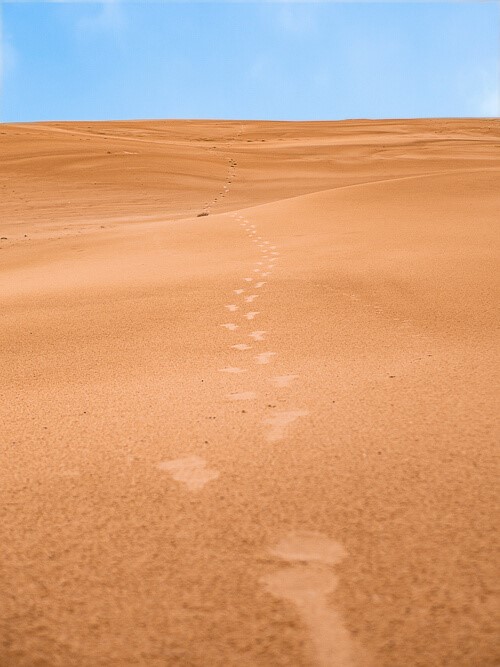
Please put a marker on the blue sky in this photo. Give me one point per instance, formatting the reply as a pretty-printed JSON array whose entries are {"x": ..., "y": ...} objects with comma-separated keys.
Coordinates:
[{"x": 260, "y": 60}]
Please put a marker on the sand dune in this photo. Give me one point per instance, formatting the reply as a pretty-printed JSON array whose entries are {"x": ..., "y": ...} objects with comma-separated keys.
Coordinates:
[{"x": 262, "y": 436}]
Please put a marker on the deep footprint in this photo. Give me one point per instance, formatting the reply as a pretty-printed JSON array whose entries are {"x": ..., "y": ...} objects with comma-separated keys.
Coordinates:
[{"x": 308, "y": 584}]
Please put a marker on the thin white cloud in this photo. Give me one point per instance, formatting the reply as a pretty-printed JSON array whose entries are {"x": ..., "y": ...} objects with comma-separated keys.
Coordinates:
[
  {"x": 9, "y": 58},
  {"x": 263, "y": 2},
  {"x": 107, "y": 17},
  {"x": 488, "y": 99},
  {"x": 296, "y": 19},
  {"x": 480, "y": 90}
]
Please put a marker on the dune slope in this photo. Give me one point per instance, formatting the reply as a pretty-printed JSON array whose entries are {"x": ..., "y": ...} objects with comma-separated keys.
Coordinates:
[{"x": 248, "y": 393}]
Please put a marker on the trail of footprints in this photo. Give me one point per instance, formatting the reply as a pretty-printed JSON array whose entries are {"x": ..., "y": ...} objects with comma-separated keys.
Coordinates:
[
  {"x": 307, "y": 578},
  {"x": 252, "y": 344}
]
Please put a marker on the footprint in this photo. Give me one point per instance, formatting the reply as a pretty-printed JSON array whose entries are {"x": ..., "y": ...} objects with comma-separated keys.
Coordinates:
[
  {"x": 232, "y": 307},
  {"x": 242, "y": 396},
  {"x": 249, "y": 280},
  {"x": 191, "y": 471},
  {"x": 264, "y": 357},
  {"x": 232, "y": 369},
  {"x": 309, "y": 547},
  {"x": 251, "y": 314},
  {"x": 230, "y": 325},
  {"x": 279, "y": 423},
  {"x": 283, "y": 380},
  {"x": 251, "y": 297},
  {"x": 241, "y": 346},
  {"x": 239, "y": 291},
  {"x": 308, "y": 582},
  {"x": 261, "y": 284},
  {"x": 257, "y": 335}
]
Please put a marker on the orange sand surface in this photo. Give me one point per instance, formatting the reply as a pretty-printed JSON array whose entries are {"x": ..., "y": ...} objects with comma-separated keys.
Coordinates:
[{"x": 263, "y": 436}]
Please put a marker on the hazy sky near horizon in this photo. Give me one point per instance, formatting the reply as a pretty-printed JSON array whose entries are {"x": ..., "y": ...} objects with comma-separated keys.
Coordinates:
[{"x": 260, "y": 60}]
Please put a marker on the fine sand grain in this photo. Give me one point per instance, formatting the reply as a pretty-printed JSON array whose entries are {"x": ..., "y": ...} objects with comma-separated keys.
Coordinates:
[{"x": 248, "y": 393}]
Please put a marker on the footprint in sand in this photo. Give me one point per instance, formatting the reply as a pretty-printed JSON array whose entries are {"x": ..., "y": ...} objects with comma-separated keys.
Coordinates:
[
  {"x": 264, "y": 357},
  {"x": 242, "y": 396},
  {"x": 191, "y": 471},
  {"x": 257, "y": 335},
  {"x": 279, "y": 423},
  {"x": 239, "y": 291},
  {"x": 232, "y": 307},
  {"x": 230, "y": 325},
  {"x": 250, "y": 298},
  {"x": 252, "y": 314},
  {"x": 241, "y": 346},
  {"x": 283, "y": 380},
  {"x": 308, "y": 582},
  {"x": 261, "y": 284},
  {"x": 249, "y": 280}
]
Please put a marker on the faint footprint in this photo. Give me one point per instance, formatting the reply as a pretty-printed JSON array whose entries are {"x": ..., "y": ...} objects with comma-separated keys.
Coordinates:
[
  {"x": 242, "y": 396},
  {"x": 279, "y": 423},
  {"x": 239, "y": 291},
  {"x": 251, "y": 315},
  {"x": 283, "y": 380},
  {"x": 264, "y": 357},
  {"x": 308, "y": 582},
  {"x": 230, "y": 325},
  {"x": 232, "y": 307},
  {"x": 241, "y": 347},
  {"x": 191, "y": 471},
  {"x": 257, "y": 335},
  {"x": 250, "y": 298},
  {"x": 232, "y": 369}
]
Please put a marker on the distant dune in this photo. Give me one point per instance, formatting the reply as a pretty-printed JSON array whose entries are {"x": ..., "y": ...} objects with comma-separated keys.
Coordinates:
[{"x": 248, "y": 393}]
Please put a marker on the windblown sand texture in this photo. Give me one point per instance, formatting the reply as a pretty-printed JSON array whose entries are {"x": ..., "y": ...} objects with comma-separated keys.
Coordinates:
[{"x": 260, "y": 437}]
